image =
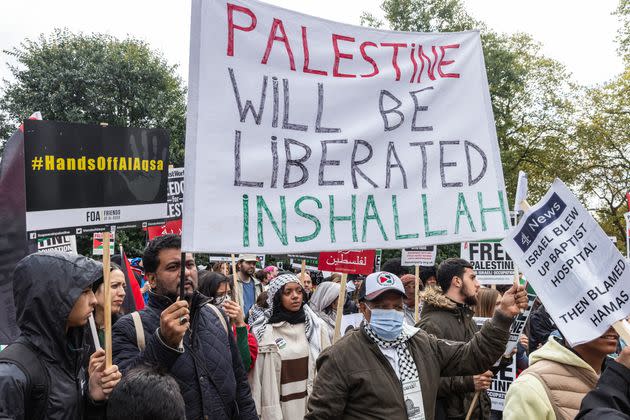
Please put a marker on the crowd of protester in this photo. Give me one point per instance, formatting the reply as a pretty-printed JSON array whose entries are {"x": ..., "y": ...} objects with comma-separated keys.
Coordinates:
[{"x": 260, "y": 344}]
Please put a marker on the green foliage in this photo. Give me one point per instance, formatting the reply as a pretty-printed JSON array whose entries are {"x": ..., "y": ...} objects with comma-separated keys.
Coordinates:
[
  {"x": 132, "y": 240},
  {"x": 623, "y": 35},
  {"x": 92, "y": 79},
  {"x": 423, "y": 16},
  {"x": 96, "y": 78},
  {"x": 546, "y": 125},
  {"x": 604, "y": 144},
  {"x": 6, "y": 130},
  {"x": 532, "y": 95}
]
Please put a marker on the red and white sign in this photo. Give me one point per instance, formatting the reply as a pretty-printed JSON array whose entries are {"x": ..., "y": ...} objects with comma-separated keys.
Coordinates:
[
  {"x": 351, "y": 262},
  {"x": 171, "y": 226}
]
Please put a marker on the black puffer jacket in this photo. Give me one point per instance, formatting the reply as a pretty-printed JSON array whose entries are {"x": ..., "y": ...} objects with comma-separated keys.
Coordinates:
[
  {"x": 610, "y": 400},
  {"x": 209, "y": 371},
  {"x": 46, "y": 286},
  {"x": 451, "y": 321}
]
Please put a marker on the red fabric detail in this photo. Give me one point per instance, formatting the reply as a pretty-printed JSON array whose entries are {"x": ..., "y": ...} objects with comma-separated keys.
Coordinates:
[{"x": 135, "y": 287}]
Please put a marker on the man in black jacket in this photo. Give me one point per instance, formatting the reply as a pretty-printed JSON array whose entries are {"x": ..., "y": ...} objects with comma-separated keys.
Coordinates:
[
  {"x": 611, "y": 398},
  {"x": 540, "y": 327},
  {"x": 187, "y": 338},
  {"x": 54, "y": 299}
]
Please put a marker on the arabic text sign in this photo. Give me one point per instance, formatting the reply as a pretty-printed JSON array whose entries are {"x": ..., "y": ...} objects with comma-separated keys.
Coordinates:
[
  {"x": 491, "y": 263},
  {"x": 422, "y": 255},
  {"x": 171, "y": 226},
  {"x": 319, "y": 136},
  {"x": 351, "y": 262},
  {"x": 577, "y": 272},
  {"x": 83, "y": 178}
]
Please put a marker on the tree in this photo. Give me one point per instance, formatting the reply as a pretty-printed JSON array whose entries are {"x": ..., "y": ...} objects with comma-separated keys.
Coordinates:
[
  {"x": 623, "y": 35},
  {"x": 604, "y": 145},
  {"x": 532, "y": 96},
  {"x": 96, "y": 78},
  {"x": 92, "y": 79},
  {"x": 6, "y": 129}
]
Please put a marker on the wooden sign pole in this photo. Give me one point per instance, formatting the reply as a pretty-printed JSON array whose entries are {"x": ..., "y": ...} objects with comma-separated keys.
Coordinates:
[
  {"x": 473, "y": 404},
  {"x": 302, "y": 271},
  {"x": 416, "y": 297},
  {"x": 340, "y": 302},
  {"x": 108, "y": 300},
  {"x": 235, "y": 277}
]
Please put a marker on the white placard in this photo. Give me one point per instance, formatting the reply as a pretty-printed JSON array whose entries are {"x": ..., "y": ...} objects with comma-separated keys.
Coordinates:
[
  {"x": 490, "y": 262},
  {"x": 500, "y": 385},
  {"x": 422, "y": 255},
  {"x": 65, "y": 243},
  {"x": 350, "y": 322},
  {"x": 577, "y": 272},
  {"x": 309, "y": 135}
]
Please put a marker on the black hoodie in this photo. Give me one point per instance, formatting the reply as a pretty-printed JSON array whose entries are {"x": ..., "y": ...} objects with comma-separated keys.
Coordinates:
[{"x": 46, "y": 287}]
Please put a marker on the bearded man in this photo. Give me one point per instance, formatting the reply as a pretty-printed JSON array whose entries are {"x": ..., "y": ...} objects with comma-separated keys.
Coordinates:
[{"x": 447, "y": 314}]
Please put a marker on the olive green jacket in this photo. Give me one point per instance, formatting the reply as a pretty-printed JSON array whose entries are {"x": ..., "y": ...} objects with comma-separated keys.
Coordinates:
[{"x": 355, "y": 380}]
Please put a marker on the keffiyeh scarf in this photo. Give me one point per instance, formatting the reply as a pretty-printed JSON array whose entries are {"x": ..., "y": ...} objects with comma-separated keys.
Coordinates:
[
  {"x": 260, "y": 325},
  {"x": 409, "y": 378}
]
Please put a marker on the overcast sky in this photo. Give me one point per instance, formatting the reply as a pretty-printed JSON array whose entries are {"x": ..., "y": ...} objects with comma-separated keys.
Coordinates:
[{"x": 578, "y": 33}]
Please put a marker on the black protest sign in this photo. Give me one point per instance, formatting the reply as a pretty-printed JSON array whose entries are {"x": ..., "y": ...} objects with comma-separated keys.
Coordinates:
[
  {"x": 501, "y": 384},
  {"x": 82, "y": 178}
]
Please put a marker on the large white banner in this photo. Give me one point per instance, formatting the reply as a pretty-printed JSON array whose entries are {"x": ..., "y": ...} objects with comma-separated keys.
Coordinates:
[
  {"x": 577, "y": 272},
  {"x": 309, "y": 135}
]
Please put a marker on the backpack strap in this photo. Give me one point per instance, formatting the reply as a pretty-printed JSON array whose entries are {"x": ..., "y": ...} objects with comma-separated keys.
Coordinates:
[
  {"x": 219, "y": 315},
  {"x": 137, "y": 323},
  {"x": 37, "y": 381}
]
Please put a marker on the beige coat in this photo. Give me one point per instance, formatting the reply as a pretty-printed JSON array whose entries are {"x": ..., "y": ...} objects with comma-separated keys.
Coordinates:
[
  {"x": 264, "y": 379},
  {"x": 553, "y": 386}
]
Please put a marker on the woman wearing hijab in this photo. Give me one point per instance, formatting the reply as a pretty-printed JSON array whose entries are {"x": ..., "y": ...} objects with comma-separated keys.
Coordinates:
[
  {"x": 324, "y": 304},
  {"x": 290, "y": 337},
  {"x": 217, "y": 287}
]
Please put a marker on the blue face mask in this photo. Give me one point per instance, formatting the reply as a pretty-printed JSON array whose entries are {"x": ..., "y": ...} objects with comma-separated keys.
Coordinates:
[{"x": 387, "y": 323}]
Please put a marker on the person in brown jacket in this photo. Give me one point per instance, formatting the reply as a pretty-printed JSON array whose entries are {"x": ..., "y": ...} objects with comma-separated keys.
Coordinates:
[
  {"x": 386, "y": 369},
  {"x": 447, "y": 314}
]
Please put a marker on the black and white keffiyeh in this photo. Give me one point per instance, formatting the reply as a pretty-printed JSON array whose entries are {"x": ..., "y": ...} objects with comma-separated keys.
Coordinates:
[
  {"x": 260, "y": 325},
  {"x": 406, "y": 368}
]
